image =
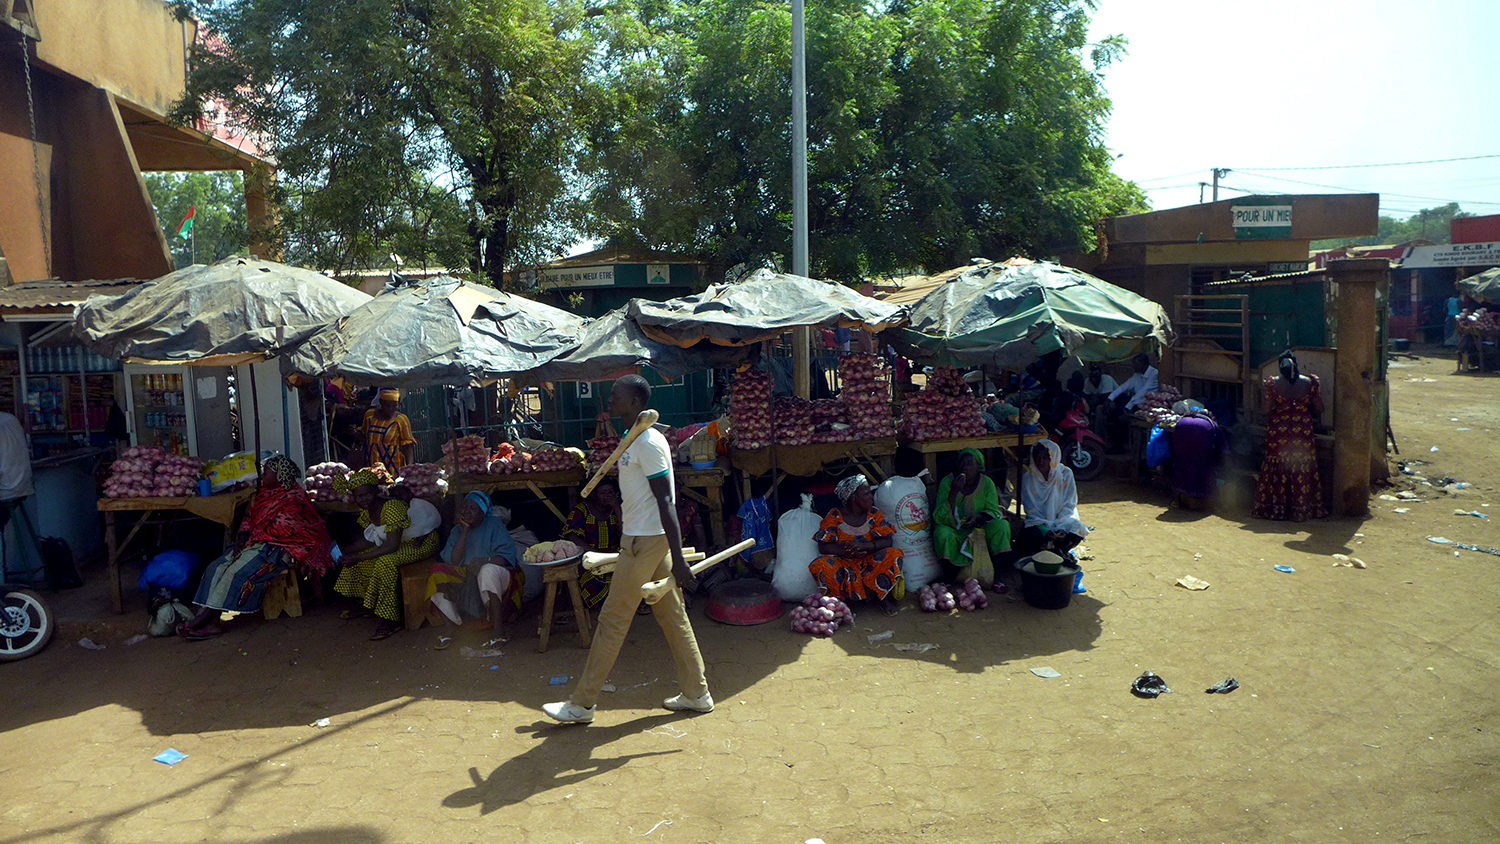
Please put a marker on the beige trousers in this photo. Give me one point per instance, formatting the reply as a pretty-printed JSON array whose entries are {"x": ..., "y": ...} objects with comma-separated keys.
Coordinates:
[{"x": 642, "y": 559}]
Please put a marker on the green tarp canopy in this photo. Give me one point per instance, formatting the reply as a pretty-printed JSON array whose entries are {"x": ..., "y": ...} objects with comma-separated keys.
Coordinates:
[
  {"x": 1008, "y": 315},
  {"x": 1483, "y": 287}
]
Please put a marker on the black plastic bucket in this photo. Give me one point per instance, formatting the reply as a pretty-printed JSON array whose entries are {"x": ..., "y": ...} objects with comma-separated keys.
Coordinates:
[{"x": 1048, "y": 591}]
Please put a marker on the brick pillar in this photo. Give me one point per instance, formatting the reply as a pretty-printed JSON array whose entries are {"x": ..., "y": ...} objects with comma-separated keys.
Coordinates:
[{"x": 1357, "y": 280}]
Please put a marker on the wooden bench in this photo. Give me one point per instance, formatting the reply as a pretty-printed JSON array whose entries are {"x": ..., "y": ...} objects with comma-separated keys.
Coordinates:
[
  {"x": 553, "y": 575},
  {"x": 282, "y": 595},
  {"x": 415, "y": 608}
]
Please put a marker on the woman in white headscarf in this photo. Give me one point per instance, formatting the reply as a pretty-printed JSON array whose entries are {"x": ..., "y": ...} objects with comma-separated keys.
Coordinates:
[{"x": 1050, "y": 497}]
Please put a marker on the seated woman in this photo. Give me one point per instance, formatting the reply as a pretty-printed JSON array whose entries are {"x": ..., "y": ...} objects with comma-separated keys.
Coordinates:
[
  {"x": 370, "y": 572},
  {"x": 480, "y": 576},
  {"x": 282, "y": 528},
  {"x": 967, "y": 500},
  {"x": 1050, "y": 497},
  {"x": 858, "y": 562},
  {"x": 595, "y": 526}
]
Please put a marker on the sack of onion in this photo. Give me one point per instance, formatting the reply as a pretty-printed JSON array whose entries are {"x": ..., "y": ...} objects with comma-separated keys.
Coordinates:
[
  {"x": 471, "y": 457},
  {"x": 320, "y": 479},
  {"x": 750, "y": 409},
  {"x": 865, "y": 393},
  {"x": 944, "y": 409},
  {"x": 821, "y": 615},
  {"x": 424, "y": 479}
]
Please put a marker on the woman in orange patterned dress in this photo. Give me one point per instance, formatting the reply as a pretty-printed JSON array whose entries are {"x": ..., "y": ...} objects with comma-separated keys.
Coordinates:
[
  {"x": 1289, "y": 487},
  {"x": 859, "y": 561}
]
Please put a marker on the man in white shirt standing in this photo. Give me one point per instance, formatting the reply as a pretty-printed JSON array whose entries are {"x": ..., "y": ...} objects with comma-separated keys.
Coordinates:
[
  {"x": 650, "y": 549},
  {"x": 1136, "y": 387}
]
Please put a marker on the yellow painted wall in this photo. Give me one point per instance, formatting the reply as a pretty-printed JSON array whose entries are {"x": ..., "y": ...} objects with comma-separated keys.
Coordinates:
[{"x": 134, "y": 49}]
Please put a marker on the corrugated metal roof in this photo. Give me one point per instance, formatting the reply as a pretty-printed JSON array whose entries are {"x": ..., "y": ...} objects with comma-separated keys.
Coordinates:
[
  {"x": 1267, "y": 278},
  {"x": 44, "y": 295}
]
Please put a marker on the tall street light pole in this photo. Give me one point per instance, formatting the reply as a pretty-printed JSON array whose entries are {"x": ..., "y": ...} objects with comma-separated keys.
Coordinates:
[{"x": 801, "y": 337}]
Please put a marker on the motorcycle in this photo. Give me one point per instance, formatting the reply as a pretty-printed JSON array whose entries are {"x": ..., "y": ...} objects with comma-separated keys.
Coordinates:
[
  {"x": 26, "y": 622},
  {"x": 1082, "y": 449}
]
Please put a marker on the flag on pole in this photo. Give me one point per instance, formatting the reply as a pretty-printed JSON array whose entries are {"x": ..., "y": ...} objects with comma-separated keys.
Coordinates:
[{"x": 185, "y": 228}]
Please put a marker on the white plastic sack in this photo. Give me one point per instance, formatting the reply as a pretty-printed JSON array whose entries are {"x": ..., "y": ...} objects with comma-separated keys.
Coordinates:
[
  {"x": 903, "y": 502},
  {"x": 796, "y": 548}
]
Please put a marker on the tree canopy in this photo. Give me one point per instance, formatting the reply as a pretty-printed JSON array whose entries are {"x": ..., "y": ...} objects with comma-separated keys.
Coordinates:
[
  {"x": 496, "y": 133},
  {"x": 1430, "y": 224},
  {"x": 218, "y": 203}
]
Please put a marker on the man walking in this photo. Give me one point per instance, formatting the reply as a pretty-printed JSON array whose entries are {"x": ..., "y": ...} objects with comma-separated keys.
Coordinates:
[{"x": 650, "y": 549}]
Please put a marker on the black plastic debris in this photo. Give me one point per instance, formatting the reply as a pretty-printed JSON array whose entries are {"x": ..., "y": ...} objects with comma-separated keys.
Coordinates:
[
  {"x": 1228, "y": 685},
  {"x": 1149, "y": 685}
]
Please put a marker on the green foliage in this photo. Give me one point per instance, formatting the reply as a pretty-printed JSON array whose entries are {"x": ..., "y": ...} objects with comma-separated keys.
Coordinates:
[
  {"x": 1430, "y": 224},
  {"x": 938, "y": 130},
  {"x": 218, "y": 221},
  {"x": 444, "y": 128}
]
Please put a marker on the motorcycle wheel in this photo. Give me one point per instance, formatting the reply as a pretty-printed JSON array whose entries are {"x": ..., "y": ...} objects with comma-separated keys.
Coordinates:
[
  {"x": 26, "y": 624},
  {"x": 1086, "y": 459}
]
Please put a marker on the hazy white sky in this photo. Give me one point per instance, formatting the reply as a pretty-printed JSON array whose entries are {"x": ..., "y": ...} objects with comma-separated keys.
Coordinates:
[{"x": 1308, "y": 83}]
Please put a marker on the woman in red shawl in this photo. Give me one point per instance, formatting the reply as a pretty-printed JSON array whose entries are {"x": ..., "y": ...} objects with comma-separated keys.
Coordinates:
[{"x": 281, "y": 529}]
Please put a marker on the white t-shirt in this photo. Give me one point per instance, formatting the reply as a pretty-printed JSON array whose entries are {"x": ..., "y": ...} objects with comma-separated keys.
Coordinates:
[
  {"x": 15, "y": 459},
  {"x": 648, "y": 457},
  {"x": 1137, "y": 385}
]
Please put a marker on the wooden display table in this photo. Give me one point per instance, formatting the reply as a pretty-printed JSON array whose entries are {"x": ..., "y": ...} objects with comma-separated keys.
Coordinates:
[
  {"x": 221, "y": 508},
  {"x": 711, "y": 482},
  {"x": 930, "y": 449},
  {"x": 874, "y": 457},
  {"x": 534, "y": 482}
]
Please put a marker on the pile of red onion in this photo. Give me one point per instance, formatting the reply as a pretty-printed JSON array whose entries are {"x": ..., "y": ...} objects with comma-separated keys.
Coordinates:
[
  {"x": 473, "y": 456},
  {"x": 940, "y": 597},
  {"x": 556, "y": 460},
  {"x": 945, "y": 408},
  {"x": 750, "y": 409},
  {"x": 320, "y": 482},
  {"x": 145, "y": 471},
  {"x": 1157, "y": 406},
  {"x": 793, "y": 420},
  {"x": 866, "y": 395},
  {"x": 600, "y": 448},
  {"x": 830, "y": 423},
  {"x": 425, "y": 480},
  {"x": 821, "y": 615}
]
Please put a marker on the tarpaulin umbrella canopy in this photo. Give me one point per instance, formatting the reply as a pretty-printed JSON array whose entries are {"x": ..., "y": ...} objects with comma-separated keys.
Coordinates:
[
  {"x": 437, "y": 331},
  {"x": 1008, "y": 315},
  {"x": 239, "y": 310},
  {"x": 762, "y": 306},
  {"x": 1483, "y": 287},
  {"x": 614, "y": 342}
]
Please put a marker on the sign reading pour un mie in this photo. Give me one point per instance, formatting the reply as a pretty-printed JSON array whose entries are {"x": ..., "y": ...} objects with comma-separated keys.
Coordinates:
[
  {"x": 1265, "y": 221},
  {"x": 554, "y": 277}
]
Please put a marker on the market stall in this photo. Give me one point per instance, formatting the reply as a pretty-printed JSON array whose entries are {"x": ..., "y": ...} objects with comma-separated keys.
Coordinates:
[{"x": 222, "y": 509}]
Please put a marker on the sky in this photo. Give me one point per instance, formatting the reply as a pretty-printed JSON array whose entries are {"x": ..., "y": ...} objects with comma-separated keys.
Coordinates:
[{"x": 1269, "y": 87}]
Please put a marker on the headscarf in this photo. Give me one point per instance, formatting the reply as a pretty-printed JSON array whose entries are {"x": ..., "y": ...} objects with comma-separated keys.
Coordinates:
[
  {"x": 976, "y": 454},
  {"x": 1052, "y": 502},
  {"x": 479, "y": 497},
  {"x": 390, "y": 394},
  {"x": 287, "y": 473},
  {"x": 1056, "y": 454},
  {"x": 355, "y": 480},
  {"x": 848, "y": 486}
]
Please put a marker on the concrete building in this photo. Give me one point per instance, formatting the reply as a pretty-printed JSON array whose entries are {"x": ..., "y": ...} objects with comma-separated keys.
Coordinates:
[{"x": 84, "y": 89}]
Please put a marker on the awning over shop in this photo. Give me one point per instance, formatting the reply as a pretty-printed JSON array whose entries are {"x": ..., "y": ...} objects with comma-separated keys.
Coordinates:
[
  {"x": 438, "y": 331},
  {"x": 762, "y": 306},
  {"x": 1010, "y": 314},
  {"x": 41, "y": 301},
  {"x": 236, "y": 311},
  {"x": 1484, "y": 287},
  {"x": 614, "y": 343}
]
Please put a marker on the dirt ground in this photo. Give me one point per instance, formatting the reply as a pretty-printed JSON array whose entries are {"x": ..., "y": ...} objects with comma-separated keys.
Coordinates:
[{"x": 1368, "y": 709}]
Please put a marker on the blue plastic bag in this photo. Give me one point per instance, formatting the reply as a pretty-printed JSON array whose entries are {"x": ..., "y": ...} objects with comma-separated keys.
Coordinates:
[
  {"x": 755, "y": 516},
  {"x": 169, "y": 570},
  {"x": 1158, "y": 447}
]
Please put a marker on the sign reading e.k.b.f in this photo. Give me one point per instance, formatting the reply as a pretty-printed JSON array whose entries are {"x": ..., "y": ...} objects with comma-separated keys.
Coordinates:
[{"x": 1261, "y": 217}]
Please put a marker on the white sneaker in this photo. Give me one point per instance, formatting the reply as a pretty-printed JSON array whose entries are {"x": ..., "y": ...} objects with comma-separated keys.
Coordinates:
[
  {"x": 683, "y": 703},
  {"x": 569, "y": 712}
]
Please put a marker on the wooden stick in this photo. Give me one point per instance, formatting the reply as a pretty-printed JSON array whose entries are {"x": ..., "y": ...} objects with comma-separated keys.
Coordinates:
[
  {"x": 643, "y": 422},
  {"x": 658, "y": 589}
]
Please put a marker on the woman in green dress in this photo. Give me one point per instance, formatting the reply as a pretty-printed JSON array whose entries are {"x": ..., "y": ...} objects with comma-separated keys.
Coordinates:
[{"x": 965, "y": 500}]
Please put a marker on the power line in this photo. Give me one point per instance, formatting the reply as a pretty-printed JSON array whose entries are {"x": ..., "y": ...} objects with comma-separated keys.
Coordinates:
[
  {"x": 1383, "y": 194},
  {"x": 1367, "y": 166},
  {"x": 1173, "y": 176}
]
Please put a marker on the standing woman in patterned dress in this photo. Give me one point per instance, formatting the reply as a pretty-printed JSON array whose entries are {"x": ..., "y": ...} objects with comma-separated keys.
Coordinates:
[
  {"x": 371, "y": 572},
  {"x": 387, "y": 434},
  {"x": 1289, "y": 487}
]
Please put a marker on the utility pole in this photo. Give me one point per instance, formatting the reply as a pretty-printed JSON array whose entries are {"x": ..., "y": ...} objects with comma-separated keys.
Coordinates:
[
  {"x": 1219, "y": 173},
  {"x": 801, "y": 337}
]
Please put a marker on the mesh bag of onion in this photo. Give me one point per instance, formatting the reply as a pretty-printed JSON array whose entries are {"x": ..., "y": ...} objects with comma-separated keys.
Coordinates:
[
  {"x": 945, "y": 408},
  {"x": 470, "y": 457},
  {"x": 864, "y": 392},
  {"x": 750, "y": 409},
  {"x": 821, "y": 615}
]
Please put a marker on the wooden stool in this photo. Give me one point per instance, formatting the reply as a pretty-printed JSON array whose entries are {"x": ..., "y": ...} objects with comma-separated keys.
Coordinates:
[
  {"x": 415, "y": 608},
  {"x": 282, "y": 595},
  {"x": 553, "y": 575}
]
